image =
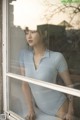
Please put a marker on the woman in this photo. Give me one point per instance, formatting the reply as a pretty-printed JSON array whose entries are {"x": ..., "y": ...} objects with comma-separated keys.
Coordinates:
[{"x": 42, "y": 64}]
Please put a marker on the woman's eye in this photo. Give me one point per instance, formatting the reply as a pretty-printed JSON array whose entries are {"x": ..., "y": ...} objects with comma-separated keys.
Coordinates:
[
  {"x": 27, "y": 33},
  {"x": 30, "y": 32},
  {"x": 33, "y": 31}
]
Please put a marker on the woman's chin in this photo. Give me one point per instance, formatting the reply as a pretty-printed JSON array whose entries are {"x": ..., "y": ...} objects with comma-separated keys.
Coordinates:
[{"x": 31, "y": 45}]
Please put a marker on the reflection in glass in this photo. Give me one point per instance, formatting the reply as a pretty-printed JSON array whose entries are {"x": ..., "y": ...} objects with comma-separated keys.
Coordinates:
[
  {"x": 42, "y": 54},
  {"x": 17, "y": 103},
  {"x": 62, "y": 38},
  {"x": 41, "y": 97}
]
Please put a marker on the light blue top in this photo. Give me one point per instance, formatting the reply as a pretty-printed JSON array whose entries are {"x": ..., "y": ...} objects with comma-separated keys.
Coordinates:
[{"x": 49, "y": 101}]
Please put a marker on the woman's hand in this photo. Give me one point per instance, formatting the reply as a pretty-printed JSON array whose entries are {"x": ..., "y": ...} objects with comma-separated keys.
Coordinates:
[
  {"x": 31, "y": 115},
  {"x": 69, "y": 115}
]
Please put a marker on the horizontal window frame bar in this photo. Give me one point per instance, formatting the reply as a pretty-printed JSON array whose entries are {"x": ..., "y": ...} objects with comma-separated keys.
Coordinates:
[
  {"x": 13, "y": 116},
  {"x": 52, "y": 86}
]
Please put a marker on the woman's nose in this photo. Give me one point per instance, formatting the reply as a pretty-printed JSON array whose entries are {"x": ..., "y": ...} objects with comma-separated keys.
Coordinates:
[{"x": 29, "y": 35}]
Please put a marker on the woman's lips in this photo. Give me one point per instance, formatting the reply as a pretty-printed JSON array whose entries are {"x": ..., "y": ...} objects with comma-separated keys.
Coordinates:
[{"x": 30, "y": 41}]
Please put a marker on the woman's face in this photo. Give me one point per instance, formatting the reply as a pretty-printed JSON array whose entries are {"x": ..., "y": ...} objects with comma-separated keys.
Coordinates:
[{"x": 33, "y": 38}]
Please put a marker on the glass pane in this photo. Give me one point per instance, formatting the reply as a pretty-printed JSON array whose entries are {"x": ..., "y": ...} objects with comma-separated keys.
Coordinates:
[
  {"x": 46, "y": 103},
  {"x": 61, "y": 39}
]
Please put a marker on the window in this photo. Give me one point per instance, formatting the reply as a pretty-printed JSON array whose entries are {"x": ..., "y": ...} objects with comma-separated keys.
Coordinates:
[{"x": 59, "y": 39}]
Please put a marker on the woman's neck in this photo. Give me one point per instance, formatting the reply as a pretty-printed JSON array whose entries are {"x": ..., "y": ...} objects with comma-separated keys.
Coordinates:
[{"x": 39, "y": 50}]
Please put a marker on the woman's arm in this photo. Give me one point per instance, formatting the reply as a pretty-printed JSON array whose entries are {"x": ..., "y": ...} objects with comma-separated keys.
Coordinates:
[
  {"x": 28, "y": 97},
  {"x": 66, "y": 78}
]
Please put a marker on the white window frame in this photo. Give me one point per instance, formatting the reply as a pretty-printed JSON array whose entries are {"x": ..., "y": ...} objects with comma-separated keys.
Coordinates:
[{"x": 9, "y": 114}]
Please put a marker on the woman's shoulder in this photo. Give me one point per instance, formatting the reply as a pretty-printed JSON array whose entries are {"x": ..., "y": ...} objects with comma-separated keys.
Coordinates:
[
  {"x": 56, "y": 54},
  {"x": 25, "y": 51}
]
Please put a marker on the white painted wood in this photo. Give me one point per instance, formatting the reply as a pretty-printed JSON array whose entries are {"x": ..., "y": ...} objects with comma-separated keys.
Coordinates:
[
  {"x": 4, "y": 37},
  {"x": 60, "y": 88}
]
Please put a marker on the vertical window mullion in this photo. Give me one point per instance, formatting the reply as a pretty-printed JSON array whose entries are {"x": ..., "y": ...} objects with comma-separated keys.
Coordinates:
[{"x": 4, "y": 51}]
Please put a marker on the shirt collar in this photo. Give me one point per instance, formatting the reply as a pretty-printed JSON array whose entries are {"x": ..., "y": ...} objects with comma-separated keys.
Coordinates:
[{"x": 46, "y": 55}]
